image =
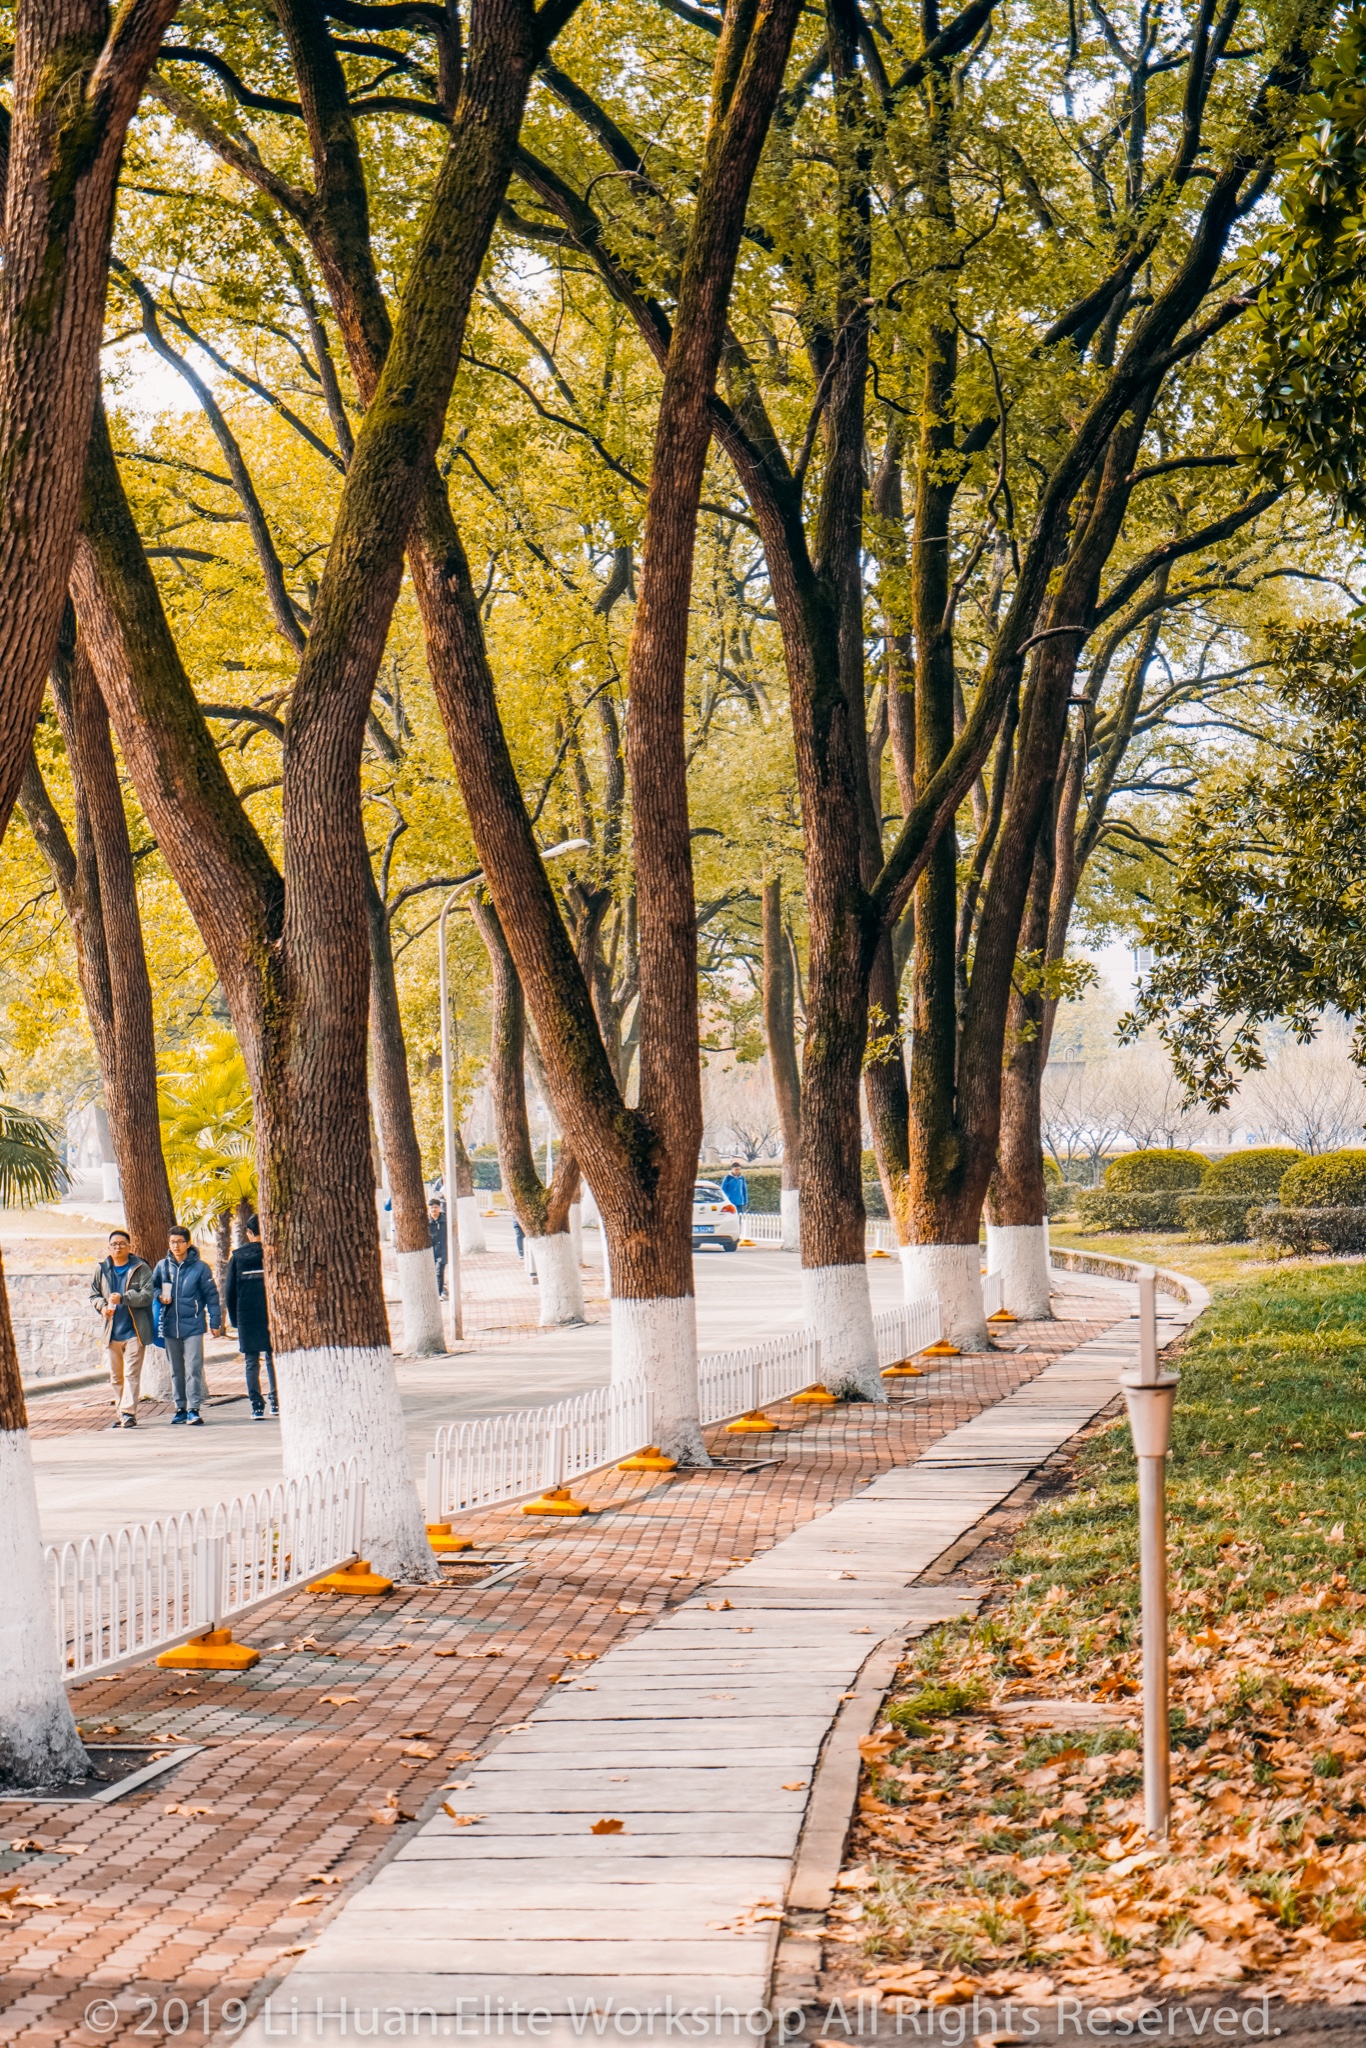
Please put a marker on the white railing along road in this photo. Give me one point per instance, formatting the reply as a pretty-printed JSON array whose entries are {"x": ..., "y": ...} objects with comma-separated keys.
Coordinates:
[{"x": 120, "y": 1599}]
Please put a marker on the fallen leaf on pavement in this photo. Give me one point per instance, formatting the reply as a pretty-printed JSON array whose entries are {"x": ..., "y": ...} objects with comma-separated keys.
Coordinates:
[
  {"x": 608, "y": 1827},
  {"x": 307, "y": 1899},
  {"x": 189, "y": 1812},
  {"x": 462, "y": 1820},
  {"x": 423, "y": 1750}
]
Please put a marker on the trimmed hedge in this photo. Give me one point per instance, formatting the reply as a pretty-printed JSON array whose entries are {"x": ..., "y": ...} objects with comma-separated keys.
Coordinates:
[
  {"x": 1258, "y": 1171},
  {"x": 1221, "y": 1219},
  {"x": 1171, "y": 1169},
  {"x": 1326, "y": 1180},
  {"x": 1312, "y": 1230},
  {"x": 1063, "y": 1195},
  {"x": 1124, "y": 1211}
]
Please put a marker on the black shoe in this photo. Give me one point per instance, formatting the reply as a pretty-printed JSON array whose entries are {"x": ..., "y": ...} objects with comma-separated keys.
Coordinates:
[
  {"x": 258, "y": 1414},
  {"x": 130, "y": 1422},
  {"x": 275, "y": 1411},
  {"x": 117, "y": 1423}
]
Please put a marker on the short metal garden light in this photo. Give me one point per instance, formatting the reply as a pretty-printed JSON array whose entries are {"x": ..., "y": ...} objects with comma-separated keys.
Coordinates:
[{"x": 1150, "y": 1396}]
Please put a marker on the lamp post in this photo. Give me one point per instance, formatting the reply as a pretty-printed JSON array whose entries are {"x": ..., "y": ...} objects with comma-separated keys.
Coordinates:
[
  {"x": 456, "y": 1320},
  {"x": 1150, "y": 1396}
]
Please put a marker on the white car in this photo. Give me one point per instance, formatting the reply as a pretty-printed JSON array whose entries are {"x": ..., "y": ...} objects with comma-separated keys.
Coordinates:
[{"x": 714, "y": 1219}]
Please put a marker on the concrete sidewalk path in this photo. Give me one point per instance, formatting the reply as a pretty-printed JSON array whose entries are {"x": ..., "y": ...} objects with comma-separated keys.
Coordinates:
[{"x": 699, "y": 1738}]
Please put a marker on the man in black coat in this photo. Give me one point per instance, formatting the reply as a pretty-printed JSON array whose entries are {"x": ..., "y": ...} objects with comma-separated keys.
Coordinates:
[{"x": 247, "y": 1312}]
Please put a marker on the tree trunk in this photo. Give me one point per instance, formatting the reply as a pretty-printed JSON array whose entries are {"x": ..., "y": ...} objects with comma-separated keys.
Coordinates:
[
  {"x": 128, "y": 1052},
  {"x": 542, "y": 1211},
  {"x": 946, "y": 1178},
  {"x": 423, "y": 1335},
  {"x": 77, "y": 80},
  {"x": 780, "y": 1029},
  {"x": 1017, "y": 1200},
  {"x": 641, "y": 1163},
  {"x": 39, "y": 1745},
  {"x": 468, "y": 1219}
]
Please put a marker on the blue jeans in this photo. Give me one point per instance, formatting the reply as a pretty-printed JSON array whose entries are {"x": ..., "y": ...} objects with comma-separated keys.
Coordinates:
[
  {"x": 187, "y": 1372},
  {"x": 252, "y": 1361}
]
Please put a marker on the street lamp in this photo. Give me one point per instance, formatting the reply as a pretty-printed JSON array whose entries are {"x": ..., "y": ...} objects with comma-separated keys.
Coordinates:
[{"x": 457, "y": 1325}]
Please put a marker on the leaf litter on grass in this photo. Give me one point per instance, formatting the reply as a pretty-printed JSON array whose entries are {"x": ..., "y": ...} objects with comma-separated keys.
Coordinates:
[{"x": 999, "y": 1842}]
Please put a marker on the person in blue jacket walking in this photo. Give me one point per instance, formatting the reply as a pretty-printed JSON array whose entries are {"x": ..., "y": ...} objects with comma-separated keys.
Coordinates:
[
  {"x": 185, "y": 1298},
  {"x": 735, "y": 1187}
]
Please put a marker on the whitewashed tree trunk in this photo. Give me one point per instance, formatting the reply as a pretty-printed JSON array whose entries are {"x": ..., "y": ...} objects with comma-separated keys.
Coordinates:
[
  {"x": 790, "y": 1203},
  {"x": 839, "y": 1311},
  {"x": 576, "y": 1231},
  {"x": 470, "y": 1224},
  {"x": 953, "y": 1272},
  {"x": 39, "y": 1746},
  {"x": 1019, "y": 1253},
  {"x": 557, "y": 1269},
  {"x": 342, "y": 1401},
  {"x": 657, "y": 1341},
  {"x": 423, "y": 1334}
]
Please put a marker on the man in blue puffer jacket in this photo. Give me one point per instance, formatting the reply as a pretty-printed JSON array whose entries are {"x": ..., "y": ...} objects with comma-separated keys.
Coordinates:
[{"x": 185, "y": 1298}]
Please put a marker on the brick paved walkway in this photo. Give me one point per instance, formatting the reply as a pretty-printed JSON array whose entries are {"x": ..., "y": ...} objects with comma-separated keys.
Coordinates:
[{"x": 201, "y": 1888}]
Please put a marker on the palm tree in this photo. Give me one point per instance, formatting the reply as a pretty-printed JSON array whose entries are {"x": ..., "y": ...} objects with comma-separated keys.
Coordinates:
[
  {"x": 31, "y": 1165},
  {"x": 208, "y": 1138}
]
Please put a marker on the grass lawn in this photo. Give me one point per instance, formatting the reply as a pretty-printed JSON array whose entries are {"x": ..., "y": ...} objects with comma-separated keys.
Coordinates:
[{"x": 995, "y": 1854}]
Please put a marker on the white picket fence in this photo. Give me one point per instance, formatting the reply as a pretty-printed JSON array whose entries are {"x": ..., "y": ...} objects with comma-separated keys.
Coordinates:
[
  {"x": 765, "y": 1229},
  {"x": 500, "y": 1458},
  {"x": 732, "y": 1383},
  {"x": 117, "y": 1600},
  {"x": 904, "y": 1330}
]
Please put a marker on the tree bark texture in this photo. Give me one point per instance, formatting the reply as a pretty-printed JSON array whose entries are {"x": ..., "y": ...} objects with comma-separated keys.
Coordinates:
[
  {"x": 110, "y": 956},
  {"x": 1017, "y": 1194},
  {"x": 542, "y": 1211},
  {"x": 77, "y": 81},
  {"x": 780, "y": 1029},
  {"x": 393, "y": 1094}
]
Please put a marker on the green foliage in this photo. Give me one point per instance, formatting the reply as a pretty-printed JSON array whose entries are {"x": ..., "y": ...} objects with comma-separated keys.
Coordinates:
[
  {"x": 1326, "y": 1180},
  {"x": 1311, "y": 367},
  {"x": 31, "y": 1165},
  {"x": 1154, "y": 1209},
  {"x": 1306, "y": 1231},
  {"x": 1219, "y": 1219},
  {"x": 207, "y": 1135},
  {"x": 1144, "y": 1172},
  {"x": 1267, "y": 917},
  {"x": 1258, "y": 1170}
]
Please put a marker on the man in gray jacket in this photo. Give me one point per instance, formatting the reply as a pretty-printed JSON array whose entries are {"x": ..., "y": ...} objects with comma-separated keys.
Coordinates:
[{"x": 121, "y": 1294}]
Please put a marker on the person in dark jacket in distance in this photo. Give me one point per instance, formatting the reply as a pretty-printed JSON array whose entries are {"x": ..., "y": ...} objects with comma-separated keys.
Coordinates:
[
  {"x": 249, "y": 1314},
  {"x": 185, "y": 1296},
  {"x": 436, "y": 1220}
]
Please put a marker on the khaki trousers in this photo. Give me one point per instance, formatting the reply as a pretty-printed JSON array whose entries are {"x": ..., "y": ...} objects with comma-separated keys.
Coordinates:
[{"x": 124, "y": 1360}]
